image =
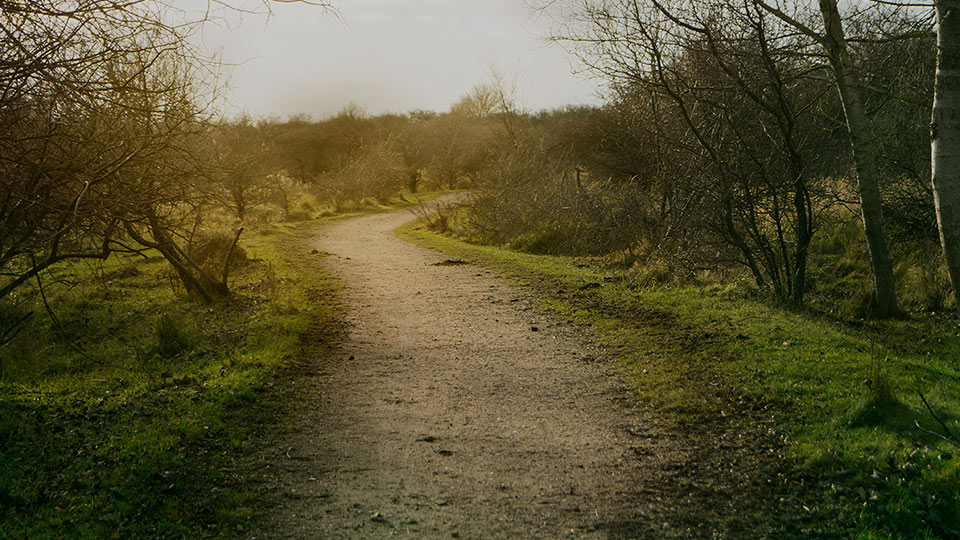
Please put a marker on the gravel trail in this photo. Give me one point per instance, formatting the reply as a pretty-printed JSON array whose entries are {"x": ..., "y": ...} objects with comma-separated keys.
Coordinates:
[{"x": 456, "y": 410}]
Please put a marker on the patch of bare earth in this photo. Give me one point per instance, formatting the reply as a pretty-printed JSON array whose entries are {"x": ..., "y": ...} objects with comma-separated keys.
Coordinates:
[{"x": 452, "y": 408}]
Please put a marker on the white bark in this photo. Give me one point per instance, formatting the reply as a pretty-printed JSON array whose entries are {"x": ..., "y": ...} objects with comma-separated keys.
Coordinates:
[
  {"x": 865, "y": 160},
  {"x": 945, "y": 136}
]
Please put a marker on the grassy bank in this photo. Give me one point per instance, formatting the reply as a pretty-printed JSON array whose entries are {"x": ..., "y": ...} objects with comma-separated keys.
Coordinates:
[
  {"x": 796, "y": 423},
  {"x": 134, "y": 412}
]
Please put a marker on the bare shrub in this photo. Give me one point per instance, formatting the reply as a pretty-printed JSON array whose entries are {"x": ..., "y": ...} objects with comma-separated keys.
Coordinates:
[
  {"x": 269, "y": 285},
  {"x": 437, "y": 218},
  {"x": 535, "y": 203},
  {"x": 376, "y": 172}
]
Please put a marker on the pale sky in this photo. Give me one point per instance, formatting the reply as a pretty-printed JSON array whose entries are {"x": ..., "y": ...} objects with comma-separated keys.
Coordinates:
[{"x": 391, "y": 56}]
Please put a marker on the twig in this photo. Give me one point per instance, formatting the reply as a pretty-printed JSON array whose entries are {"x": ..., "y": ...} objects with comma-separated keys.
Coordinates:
[
  {"x": 226, "y": 258},
  {"x": 7, "y": 334},
  {"x": 56, "y": 322},
  {"x": 950, "y": 435}
]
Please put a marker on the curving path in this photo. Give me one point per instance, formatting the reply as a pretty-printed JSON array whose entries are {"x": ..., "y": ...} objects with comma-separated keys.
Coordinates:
[{"x": 456, "y": 410}]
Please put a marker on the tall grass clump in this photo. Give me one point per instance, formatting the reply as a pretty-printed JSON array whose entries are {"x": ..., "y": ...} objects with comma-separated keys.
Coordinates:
[{"x": 172, "y": 339}]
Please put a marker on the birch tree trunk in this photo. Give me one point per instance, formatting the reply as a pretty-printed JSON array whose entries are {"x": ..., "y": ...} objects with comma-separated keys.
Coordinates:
[
  {"x": 945, "y": 136},
  {"x": 865, "y": 161}
]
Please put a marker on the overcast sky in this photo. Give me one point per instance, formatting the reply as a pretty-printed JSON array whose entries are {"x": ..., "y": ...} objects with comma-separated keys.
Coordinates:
[{"x": 391, "y": 56}]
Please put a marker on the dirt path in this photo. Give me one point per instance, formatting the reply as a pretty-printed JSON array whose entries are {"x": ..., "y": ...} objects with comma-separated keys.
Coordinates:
[{"x": 457, "y": 410}]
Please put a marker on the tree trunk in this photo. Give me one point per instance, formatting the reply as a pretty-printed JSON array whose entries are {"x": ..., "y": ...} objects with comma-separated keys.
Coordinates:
[
  {"x": 196, "y": 281},
  {"x": 413, "y": 178},
  {"x": 227, "y": 257},
  {"x": 284, "y": 203},
  {"x": 239, "y": 201},
  {"x": 945, "y": 137},
  {"x": 865, "y": 160}
]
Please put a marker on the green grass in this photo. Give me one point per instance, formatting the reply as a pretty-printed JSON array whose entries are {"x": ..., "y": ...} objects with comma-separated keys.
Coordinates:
[
  {"x": 800, "y": 384},
  {"x": 138, "y": 413}
]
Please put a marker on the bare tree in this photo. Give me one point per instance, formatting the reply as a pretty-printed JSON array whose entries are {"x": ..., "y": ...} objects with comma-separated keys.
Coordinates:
[
  {"x": 238, "y": 167},
  {"x": 744, "y": 102},
  {"x": 459, "y": 147},
  {"x": 834, "y": 43},
  {"x": 411, "y": 144},
  {"x": 378, "y": 171},
  {"x": 480, "y": 102},
  {"x": 100, "y": 104},
  {"x": 73, "y": 82}
]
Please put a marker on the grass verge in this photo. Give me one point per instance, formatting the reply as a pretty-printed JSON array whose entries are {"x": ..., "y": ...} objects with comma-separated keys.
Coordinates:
[
  {"x": 134, "y": 412},
  {"x": 796, "y": 423}
]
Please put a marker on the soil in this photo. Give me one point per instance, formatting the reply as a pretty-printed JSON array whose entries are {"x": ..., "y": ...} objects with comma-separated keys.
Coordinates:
[{"x": 451, "y": 407}]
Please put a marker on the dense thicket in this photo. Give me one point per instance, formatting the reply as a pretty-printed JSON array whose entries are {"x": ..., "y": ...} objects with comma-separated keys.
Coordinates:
[{"x": 725, "y": 144}]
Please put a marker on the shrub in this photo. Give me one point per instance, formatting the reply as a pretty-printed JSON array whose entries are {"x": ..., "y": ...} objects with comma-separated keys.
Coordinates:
[
  {"x": 536, "y": 202},
  {"x": 438, "y": 218},
  {"x": 172, "y": 339},
  {"x": 209, "y": 251},
  {"x": 299, "y": 215},
  {"x": 22, "y": 359},
  {"x": 307, "y": 204},
  {"x": 652, "y": 274}
]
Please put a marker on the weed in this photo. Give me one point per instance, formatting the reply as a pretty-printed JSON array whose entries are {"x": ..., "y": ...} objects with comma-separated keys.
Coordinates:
[
  {"x": 652, "y": 274},
  {"x": 24, "y": 359},
  {"x": 269, "y": 285},
  {"x": 881, "y": 389},
  {"x": 545, "y": 240},
  {"x": 298, "y": 215},
  {"x": 881, "y": 407},
  {"x": 307, "y": 204}
]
